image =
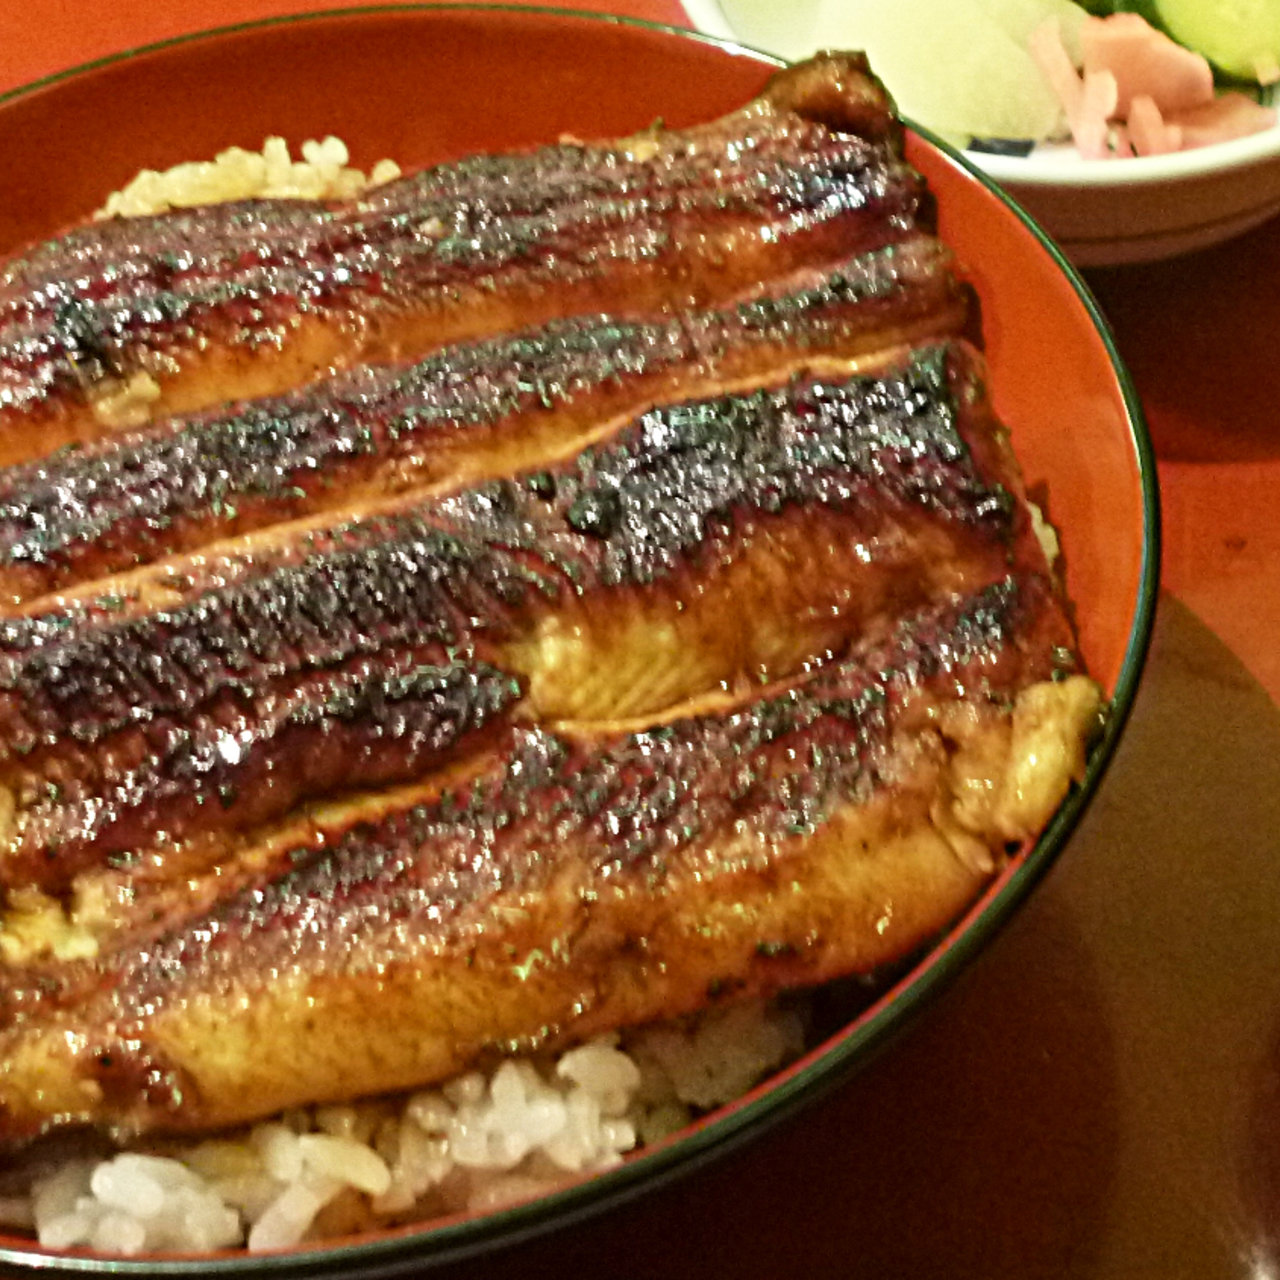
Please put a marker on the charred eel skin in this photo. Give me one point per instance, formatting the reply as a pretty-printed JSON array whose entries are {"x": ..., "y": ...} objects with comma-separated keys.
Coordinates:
[
  {"x": 192, "y": 308},
  {"x": 364, "y": 725},
  {"x": 704, "y": 546},
  {"x": 466, "y": 413},
  {"x": 580, "y": 879}
]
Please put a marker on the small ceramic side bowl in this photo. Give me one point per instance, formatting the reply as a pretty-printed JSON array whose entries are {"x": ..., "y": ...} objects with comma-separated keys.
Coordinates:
[{"x": 1107, "y": 212}]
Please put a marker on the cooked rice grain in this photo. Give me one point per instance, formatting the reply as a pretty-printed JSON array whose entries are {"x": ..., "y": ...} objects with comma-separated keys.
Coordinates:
[
  {"x": 323, "y": 172},
  {"x": 476, "y": 1142}
]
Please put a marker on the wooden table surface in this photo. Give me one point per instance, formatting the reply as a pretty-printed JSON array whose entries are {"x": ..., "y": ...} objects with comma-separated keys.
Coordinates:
[{"x": 1099, "y": 1095}]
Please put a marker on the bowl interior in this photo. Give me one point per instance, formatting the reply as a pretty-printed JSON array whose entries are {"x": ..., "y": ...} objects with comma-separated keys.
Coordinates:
[{"x": 427, "y": 84}]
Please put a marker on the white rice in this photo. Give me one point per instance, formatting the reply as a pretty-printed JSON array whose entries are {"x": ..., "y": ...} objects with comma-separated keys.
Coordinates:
[
  {"x": 1046, "y": 534},
  {"x": 476, "y": 1142},
  {"x": 323, "y": 172}
]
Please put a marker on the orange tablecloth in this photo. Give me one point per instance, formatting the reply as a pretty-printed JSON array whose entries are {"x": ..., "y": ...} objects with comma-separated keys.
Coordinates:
[{"x": 1099, "y": 1096}]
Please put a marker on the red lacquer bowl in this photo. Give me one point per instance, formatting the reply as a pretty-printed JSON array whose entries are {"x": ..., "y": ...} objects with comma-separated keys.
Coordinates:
[{"x": 430, "y": 84}]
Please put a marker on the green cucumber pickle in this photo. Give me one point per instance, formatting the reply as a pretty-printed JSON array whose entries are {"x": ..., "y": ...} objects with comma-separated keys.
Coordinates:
[{"x": 1240, "y": 37}]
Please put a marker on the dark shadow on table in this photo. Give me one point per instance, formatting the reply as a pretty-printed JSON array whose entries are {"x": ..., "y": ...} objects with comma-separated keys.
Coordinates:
[
  {"x": 1175, "y": 878},
  {"x": 1260, "y": 1167}
]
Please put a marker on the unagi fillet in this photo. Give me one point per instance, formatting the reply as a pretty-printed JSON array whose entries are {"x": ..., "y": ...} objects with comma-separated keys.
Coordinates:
[
  {"x": 579, "y": 880},
  {"x": 467, "y": 412},
  {"x": 367, "y": 724},
  {"x": 137, "y": 318},
  {"x": 707, "y": 545}
]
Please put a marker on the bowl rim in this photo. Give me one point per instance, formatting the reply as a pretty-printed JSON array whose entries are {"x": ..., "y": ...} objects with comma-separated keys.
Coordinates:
[
  {"x": 1064, "y": 168},
  {"x": 402, "y": 1250}
]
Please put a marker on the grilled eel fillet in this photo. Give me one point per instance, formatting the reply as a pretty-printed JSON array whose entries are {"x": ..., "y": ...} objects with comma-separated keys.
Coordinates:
[
  {"x": 710, "y": 544},
  {"x": 575, "y": 879},
  {"x": 192, "y": 308},
  {"x": 465, "y": 413}
]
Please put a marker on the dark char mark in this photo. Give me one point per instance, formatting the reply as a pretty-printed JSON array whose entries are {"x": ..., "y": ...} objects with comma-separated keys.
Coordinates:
[
  {"x": 625, "y": 809},
  {"x": 465, "y": 570},
  {"x": 356, "y": 727},
  {"x": 132, "y": 497},
  {"x": 239, "y": 272}
]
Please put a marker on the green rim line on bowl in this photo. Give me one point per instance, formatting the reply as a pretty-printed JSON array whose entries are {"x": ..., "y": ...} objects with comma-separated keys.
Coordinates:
[{"x": 402, "y": 1250}]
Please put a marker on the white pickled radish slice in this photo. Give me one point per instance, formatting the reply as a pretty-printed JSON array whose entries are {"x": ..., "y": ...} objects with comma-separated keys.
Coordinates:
[{"x": 950, "y": 67}]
